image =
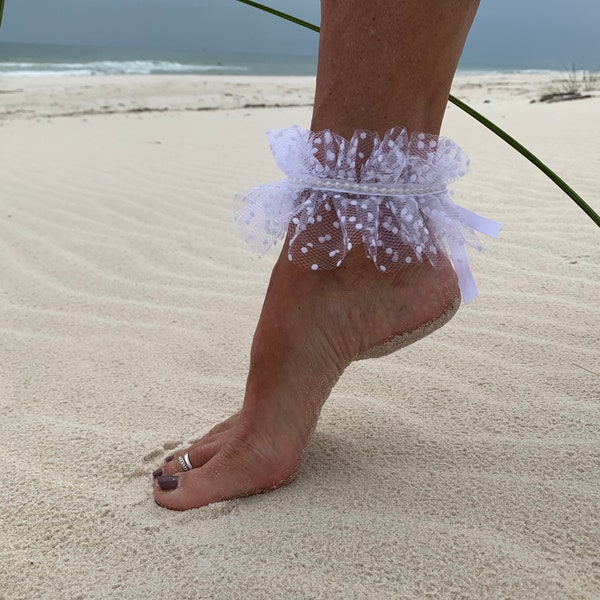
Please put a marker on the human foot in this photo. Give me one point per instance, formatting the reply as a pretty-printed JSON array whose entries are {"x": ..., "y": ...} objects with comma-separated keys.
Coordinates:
[{"x": 313, "y": 324}]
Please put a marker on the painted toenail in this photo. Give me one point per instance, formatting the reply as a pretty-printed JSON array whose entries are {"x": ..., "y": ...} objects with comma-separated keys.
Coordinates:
[
  {"x": 157, "y": 473},
  {"x": 169, "y": 458},
  {"x": 167, "y": 482}
]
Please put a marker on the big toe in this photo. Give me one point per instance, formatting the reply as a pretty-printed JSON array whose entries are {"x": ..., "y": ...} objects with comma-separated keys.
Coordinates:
[
  {"x": 187, "y": 490},
  {"x": 203, "y": 486}
]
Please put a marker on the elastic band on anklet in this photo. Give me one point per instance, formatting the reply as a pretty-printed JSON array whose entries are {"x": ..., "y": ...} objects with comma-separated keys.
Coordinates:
[
  {"x": 341, "y": 186},
  {"x": 389, "y": 194}
]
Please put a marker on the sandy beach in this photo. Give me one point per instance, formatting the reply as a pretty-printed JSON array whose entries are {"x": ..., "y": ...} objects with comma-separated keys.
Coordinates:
[{"x": 465, "y": 466}]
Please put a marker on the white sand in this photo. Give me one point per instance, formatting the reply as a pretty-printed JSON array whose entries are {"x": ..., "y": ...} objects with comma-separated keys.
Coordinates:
[{"x": 465, "y": 466}]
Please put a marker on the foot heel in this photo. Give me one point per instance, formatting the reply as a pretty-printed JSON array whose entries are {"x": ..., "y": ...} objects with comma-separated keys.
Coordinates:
[{"x": 410, "y": 337}]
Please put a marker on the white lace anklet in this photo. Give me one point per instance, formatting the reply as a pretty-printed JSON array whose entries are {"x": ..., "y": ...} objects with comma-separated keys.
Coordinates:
[{"x": 389, "y": 194}]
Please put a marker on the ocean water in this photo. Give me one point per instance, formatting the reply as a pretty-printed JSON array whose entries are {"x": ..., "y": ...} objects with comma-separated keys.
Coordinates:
[
  {"x": 41, "y": 60},
  {"x": 37, "y": 60}
]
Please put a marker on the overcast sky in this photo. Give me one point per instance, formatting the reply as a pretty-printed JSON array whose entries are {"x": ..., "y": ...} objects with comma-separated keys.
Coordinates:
[{"x": 521, "y": 33}]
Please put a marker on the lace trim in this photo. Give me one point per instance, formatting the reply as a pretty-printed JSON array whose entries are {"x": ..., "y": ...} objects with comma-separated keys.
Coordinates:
[{"x": 389, "y": 194}]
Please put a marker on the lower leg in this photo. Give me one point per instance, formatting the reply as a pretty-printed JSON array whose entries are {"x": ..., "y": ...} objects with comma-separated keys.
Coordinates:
[
  {"x": 386, "y": 63},
  {"x": 381, "y": 63}
]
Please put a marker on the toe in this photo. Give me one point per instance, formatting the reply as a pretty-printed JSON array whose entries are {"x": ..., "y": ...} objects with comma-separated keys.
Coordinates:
[
  {"x": 172, "y": 491},
  {"x": 191, "y": 489},
  {"x": 198, "y": 455}
]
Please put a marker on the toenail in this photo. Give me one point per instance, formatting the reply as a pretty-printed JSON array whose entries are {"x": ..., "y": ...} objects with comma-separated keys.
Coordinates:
[
  {"x": 169, "y": 458},
  {"x": 157, "y": 473},
  {"x": 167, "y": 482}
]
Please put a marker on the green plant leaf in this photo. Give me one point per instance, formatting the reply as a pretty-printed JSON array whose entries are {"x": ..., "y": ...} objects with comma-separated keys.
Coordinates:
[
  {"x": 278, "y": 13},
  {"x": 1, "y": 11},
  {"x": 531, "y": 157},
  {"x": 587, "y": 209}
]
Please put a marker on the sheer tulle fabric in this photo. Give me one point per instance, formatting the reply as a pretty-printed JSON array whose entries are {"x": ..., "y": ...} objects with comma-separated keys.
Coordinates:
[{"x": 388, "y": 194}]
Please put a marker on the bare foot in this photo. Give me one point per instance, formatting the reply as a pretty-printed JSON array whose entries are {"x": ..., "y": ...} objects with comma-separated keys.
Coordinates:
[{"x": 313, "y": 324}]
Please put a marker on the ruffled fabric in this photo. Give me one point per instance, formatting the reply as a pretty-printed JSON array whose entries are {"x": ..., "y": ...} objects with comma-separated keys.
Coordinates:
[{"x": 389, "y": 194}]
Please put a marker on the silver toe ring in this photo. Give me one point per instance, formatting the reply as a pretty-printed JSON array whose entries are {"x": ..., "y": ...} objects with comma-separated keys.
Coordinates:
[{"x": 185, "y": 463}]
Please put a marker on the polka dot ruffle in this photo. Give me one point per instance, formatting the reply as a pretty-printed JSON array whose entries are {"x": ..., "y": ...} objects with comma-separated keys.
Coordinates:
[{"x": 387, "y": 194}]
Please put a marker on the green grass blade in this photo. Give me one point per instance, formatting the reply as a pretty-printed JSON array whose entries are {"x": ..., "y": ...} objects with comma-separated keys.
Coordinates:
[
  {"x": 278, "y": 13},
  {"x": 1, "y": 11},
  {"x": 587, "y": 209}
]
